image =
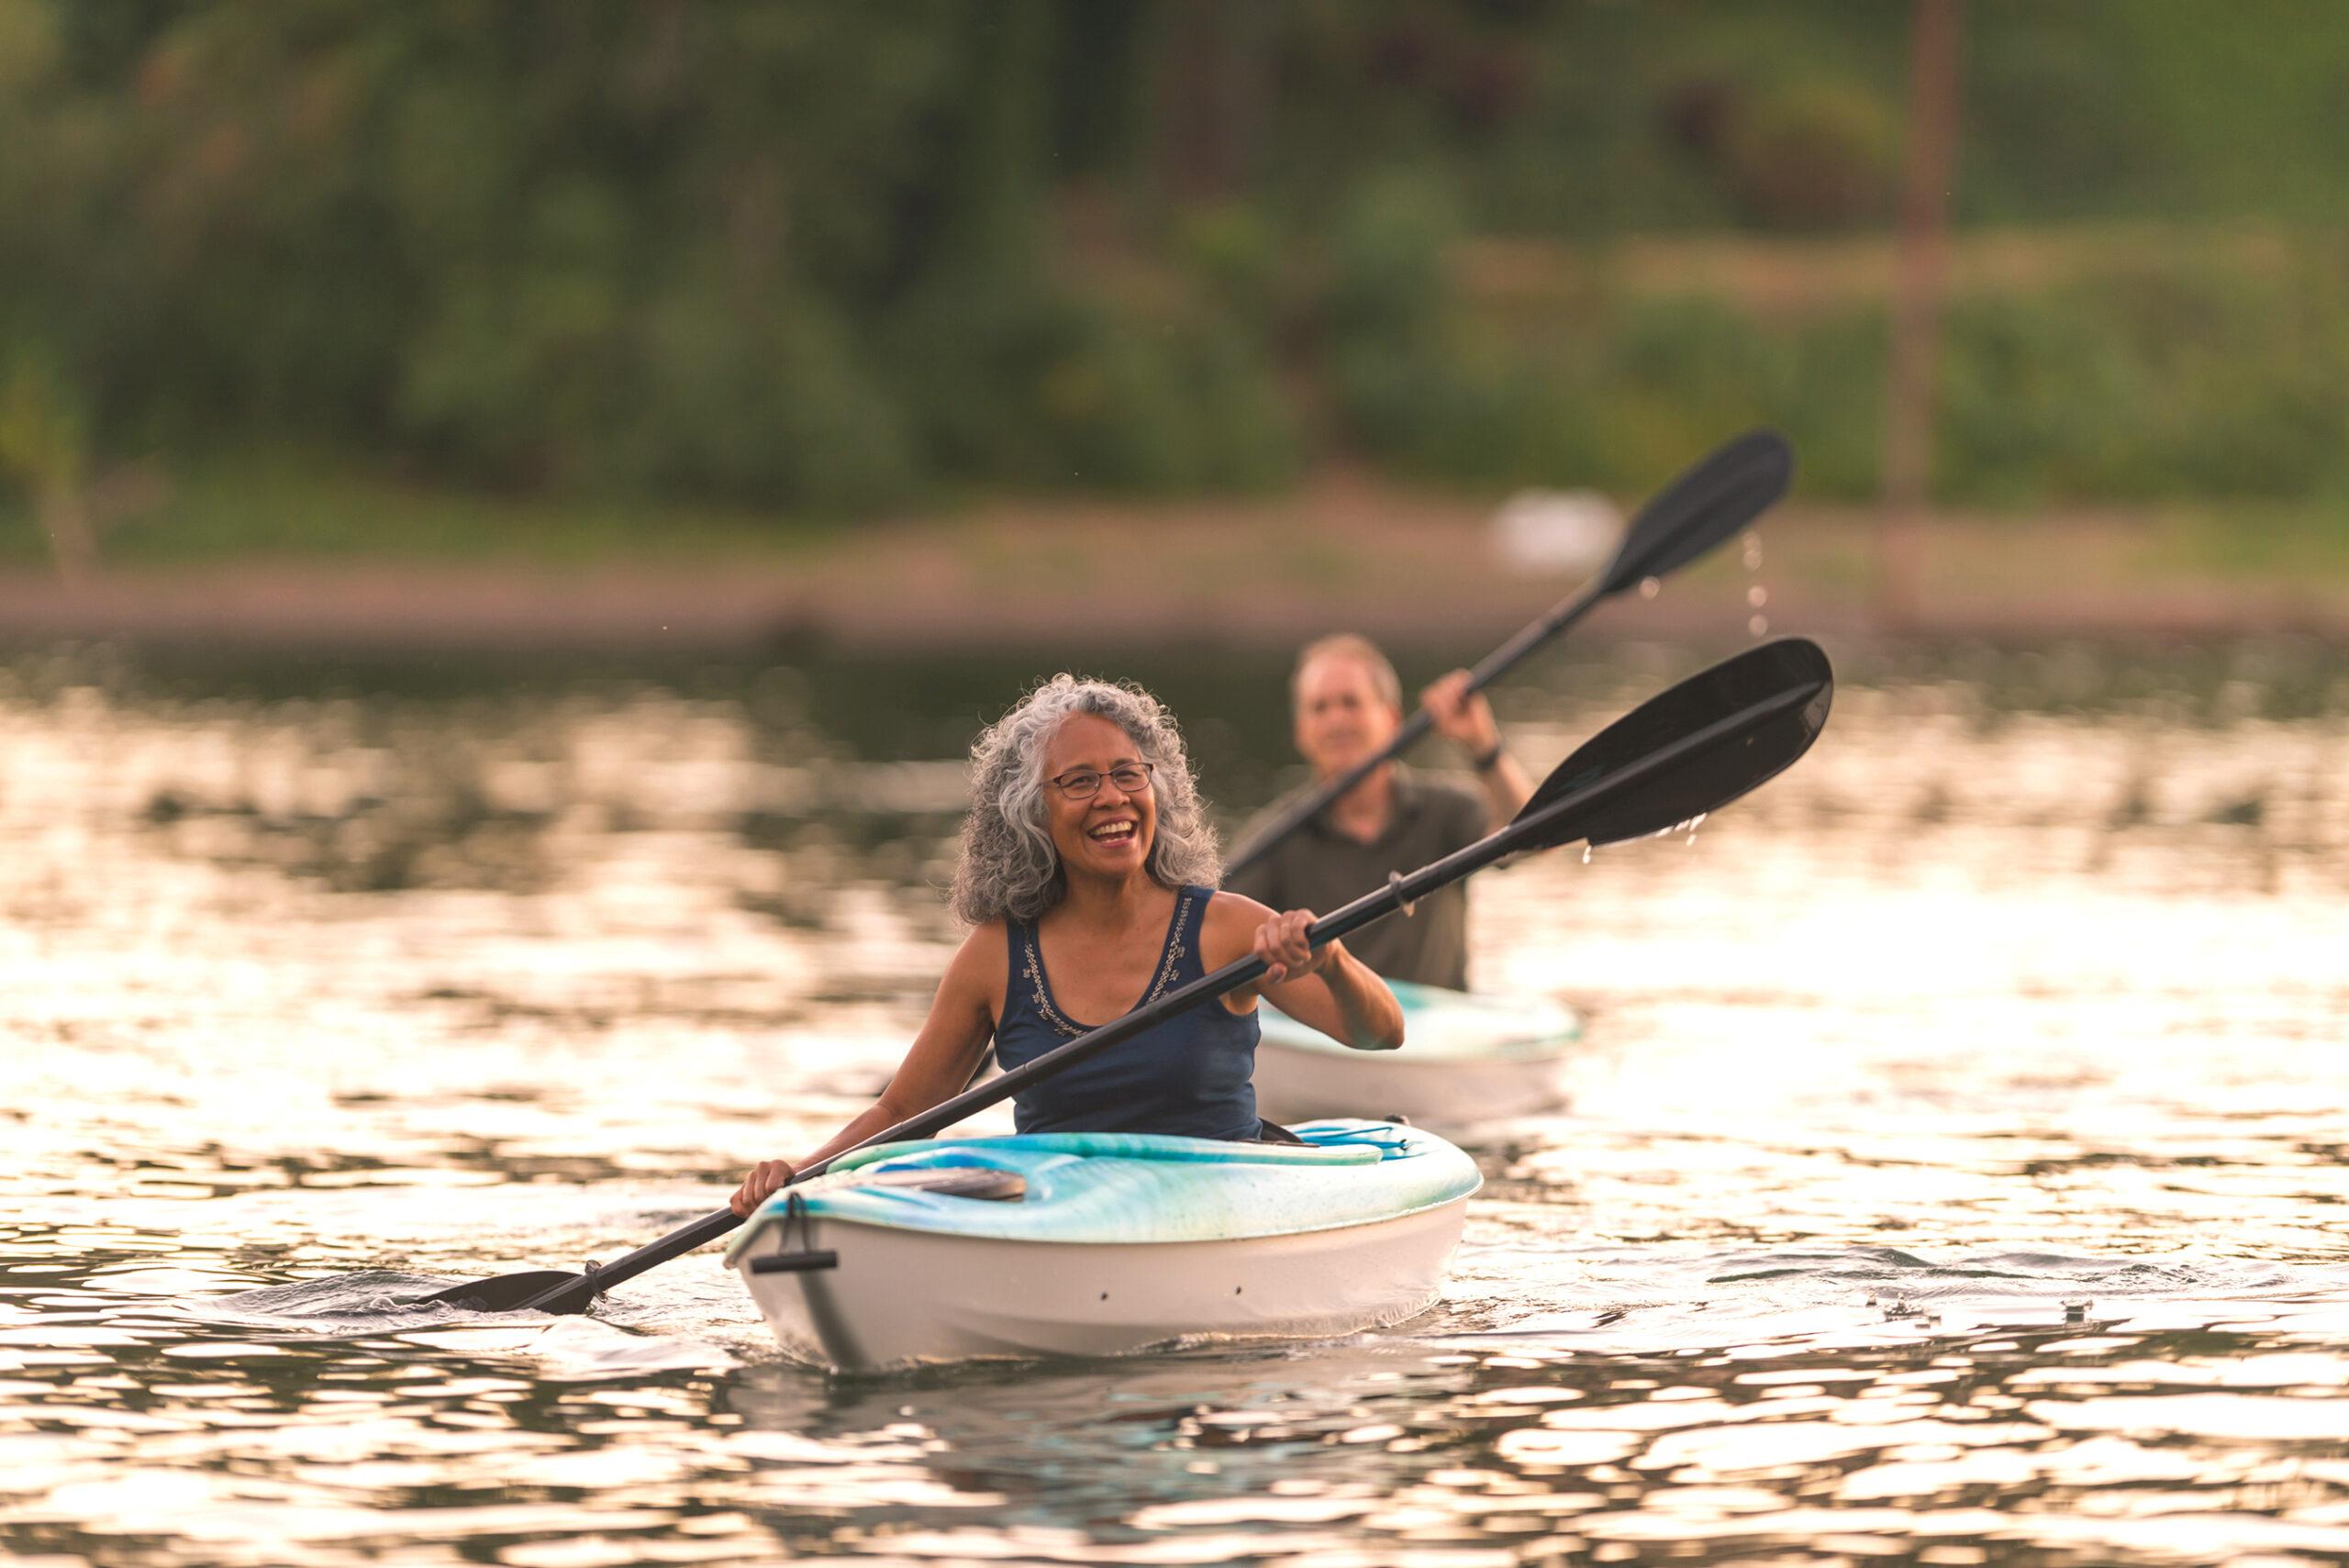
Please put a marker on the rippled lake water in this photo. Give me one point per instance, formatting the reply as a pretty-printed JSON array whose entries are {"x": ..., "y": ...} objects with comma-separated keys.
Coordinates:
[{"x": 1955, "y": 1171}]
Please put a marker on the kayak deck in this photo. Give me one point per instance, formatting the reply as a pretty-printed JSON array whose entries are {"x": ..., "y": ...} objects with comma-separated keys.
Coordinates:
[{"x": 1116, "y": 1188}]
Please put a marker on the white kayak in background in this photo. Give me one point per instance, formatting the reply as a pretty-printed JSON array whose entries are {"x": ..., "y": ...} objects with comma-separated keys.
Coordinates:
[
  {"x": 1101, "y": 1243},
  {"x": 1466, "y": 1058}
]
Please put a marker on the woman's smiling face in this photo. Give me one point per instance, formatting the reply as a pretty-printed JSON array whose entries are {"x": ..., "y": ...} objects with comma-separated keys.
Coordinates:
[{"x": 1108, "y": 833}]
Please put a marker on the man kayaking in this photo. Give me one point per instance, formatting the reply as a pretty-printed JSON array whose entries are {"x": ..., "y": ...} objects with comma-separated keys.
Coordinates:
[
  {"x": 1087, "y": 874},
  {"x": 1348, "y": 703}
]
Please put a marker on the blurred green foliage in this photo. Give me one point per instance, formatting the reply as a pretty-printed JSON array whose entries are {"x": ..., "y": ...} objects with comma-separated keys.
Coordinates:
[
  {"x": 2152, "y": 376},
  {"x": 825, "y": 258}
]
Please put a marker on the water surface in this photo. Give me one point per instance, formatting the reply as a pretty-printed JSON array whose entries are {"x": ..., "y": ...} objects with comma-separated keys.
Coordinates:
[{"x": 1955, "y": 1169}]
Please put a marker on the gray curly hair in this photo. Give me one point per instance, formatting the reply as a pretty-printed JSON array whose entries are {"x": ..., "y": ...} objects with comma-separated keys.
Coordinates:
[{"x": 1008, "y": 867}]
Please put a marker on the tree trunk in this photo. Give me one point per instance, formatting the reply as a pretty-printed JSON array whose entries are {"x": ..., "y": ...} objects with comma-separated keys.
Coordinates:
[
  {"x": 1915, "y": 309},
  {"x": 1218, "y": 92},
  {"x": 72, "y": 542}
]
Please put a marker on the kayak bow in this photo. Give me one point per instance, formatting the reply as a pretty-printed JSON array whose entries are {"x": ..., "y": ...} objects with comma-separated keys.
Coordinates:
[{"x": 1103, "y": 1243}]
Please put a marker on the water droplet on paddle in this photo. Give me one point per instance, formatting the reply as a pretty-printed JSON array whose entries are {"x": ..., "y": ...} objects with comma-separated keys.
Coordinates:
[
  {"x": 1758, "y": 625},
  {"x": 1651, "y": 586},
  {"x": 1757, "y": 595},
  {"x": 1753, "y": 552}
]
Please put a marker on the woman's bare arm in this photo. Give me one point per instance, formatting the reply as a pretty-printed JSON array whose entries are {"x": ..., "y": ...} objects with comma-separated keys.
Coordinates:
[
  {"x": 938, "y": 1065},
  {"x": 1329, "y": 990}
]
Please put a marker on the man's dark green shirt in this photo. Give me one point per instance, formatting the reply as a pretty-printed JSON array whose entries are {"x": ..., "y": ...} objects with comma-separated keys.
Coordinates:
[{"x": 1322, "y": 868}]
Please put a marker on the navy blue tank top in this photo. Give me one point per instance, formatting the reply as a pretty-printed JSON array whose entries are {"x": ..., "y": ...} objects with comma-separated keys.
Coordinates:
[{"x": 1189, "y": 1075}]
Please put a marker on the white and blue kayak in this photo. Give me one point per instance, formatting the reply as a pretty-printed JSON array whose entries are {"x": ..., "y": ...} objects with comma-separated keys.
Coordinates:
[
  {"x": 1101, "y": 1243},
  {"x": 1466, "y": 1058}
]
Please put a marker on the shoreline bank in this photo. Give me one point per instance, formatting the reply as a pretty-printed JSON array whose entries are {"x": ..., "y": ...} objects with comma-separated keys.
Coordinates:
[{"x": 1411, "y": 570}]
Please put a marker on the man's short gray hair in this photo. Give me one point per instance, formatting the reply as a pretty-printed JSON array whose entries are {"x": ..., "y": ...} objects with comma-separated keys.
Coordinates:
[
  {"x": 1347, "y": 645},
  {"x": 1009, "y": 868}
]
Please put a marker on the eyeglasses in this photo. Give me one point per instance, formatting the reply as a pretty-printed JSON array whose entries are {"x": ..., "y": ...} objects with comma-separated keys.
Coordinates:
[{"x": 1080, "y": 784}]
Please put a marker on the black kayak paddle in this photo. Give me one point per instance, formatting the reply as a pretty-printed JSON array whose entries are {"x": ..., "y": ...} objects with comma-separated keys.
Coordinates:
[
  {"x": 1720, "y": 496},
  {"x": 1679, "y": 755}
]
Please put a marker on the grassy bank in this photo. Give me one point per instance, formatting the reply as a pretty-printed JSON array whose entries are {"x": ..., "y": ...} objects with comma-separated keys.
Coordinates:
[
  {"x": 290, "y": 507},
  {"x": 325, "y": 559},
  {"x": 281, "y": 511}
]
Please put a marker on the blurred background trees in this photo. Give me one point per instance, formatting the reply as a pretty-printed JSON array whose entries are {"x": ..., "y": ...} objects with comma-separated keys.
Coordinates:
[{"x": 824, "y": 259}]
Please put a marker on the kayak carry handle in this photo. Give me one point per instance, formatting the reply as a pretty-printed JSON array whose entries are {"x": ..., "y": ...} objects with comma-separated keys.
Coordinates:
[
  {"x": 795, "y": 1263},
  {"x": 809, "y": 1259}
]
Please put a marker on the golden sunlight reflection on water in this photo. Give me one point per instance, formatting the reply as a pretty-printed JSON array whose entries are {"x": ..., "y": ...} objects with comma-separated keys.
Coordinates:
[{"x": 1955, "y": 1171}]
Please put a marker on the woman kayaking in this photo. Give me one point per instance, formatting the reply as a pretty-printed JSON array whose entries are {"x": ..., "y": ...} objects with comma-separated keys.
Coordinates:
[{"x": 1088, "y": 875}]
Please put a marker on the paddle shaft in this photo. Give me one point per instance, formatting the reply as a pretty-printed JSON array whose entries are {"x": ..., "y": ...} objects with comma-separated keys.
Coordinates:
[
  {"x": 1542, "y": 829},
  {"x": 1496, "y": 665}
]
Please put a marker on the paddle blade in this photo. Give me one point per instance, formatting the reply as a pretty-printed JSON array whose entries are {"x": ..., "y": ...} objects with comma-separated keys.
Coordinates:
[
  {"x": 501, "y": 1292},
  {"x": 1695, "y": 747},
  {"x": 1720, "y": 495}
]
